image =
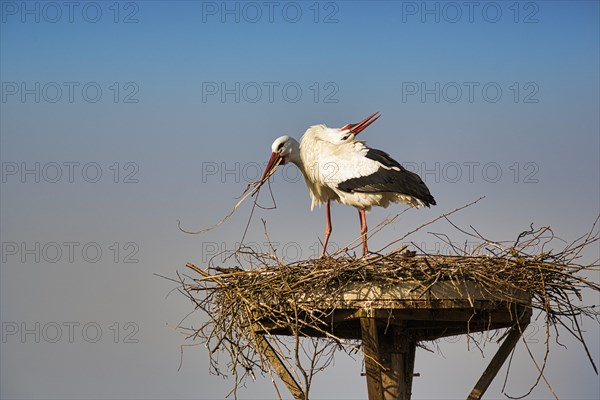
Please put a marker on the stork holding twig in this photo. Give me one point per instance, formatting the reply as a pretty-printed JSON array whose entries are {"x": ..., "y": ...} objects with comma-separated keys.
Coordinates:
[{"x": 338, "y": 167}]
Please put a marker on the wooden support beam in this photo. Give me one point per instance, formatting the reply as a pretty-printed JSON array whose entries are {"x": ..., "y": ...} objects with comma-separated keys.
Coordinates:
[
  {"x": 285, "y": 375},
  {"x": 397, "y": 355},
  {"x": 389, "y": 360},
  {"x": 370, "y": 344},
  {"x": 498, "y": 360}
]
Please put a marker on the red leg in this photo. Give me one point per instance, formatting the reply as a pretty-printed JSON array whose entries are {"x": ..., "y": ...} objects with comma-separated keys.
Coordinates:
[
  {"x": 363, "y": 230},
  {"x": 328, "y": 228}
]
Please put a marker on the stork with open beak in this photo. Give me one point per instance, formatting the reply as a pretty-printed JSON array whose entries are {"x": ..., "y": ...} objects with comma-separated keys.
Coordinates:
[{"x": 338, "y": 167}]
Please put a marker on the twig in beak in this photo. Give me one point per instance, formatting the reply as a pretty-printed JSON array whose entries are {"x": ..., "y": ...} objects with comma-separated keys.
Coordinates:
[{"x": 247, "y": 192}]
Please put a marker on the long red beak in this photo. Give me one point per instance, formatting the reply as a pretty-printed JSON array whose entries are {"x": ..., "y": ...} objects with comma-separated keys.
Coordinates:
[
  {"x": 362, "y": 125},
  {"x": 273, "y": 163}
]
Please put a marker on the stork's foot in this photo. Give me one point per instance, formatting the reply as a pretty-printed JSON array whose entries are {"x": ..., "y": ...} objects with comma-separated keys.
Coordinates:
[{"x": 324, "y": 254}]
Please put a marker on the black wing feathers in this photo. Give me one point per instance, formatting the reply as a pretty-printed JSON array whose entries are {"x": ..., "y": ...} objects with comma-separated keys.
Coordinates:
[
  {"x": 383, "y": 158},
  {"x": 394, "y": 178}
]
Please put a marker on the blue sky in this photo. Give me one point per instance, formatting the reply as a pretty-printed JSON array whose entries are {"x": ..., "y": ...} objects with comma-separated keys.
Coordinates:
[{"x": 136, "y": 94}]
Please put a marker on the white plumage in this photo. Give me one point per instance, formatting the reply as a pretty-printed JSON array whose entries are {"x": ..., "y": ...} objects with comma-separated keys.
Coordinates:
[{"x": 338, "y": 167}]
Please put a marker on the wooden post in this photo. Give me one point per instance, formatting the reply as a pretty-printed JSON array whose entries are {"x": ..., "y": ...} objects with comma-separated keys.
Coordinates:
[
  {"x": 370, "y": 343},
  {"x": 389, "y": 361},
  {"x": 397, "y": 354}
]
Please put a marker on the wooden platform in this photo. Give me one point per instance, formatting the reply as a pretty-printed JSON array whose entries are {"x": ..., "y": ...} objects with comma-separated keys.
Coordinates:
[{"x": 391, "y": 320}]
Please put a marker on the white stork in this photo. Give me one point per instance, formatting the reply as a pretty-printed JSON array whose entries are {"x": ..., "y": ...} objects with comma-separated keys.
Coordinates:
[{"x": 337, "y": 167}]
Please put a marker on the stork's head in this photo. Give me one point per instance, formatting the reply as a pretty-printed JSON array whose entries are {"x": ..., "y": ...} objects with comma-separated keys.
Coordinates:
[
  {"x": 341, "y": 135},
  {"x": 284, "y": 149},
  {"x": 348, "y": 131}
]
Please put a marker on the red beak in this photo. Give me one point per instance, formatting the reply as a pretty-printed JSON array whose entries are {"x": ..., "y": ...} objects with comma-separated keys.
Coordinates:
[
  {"x": 273, "y": 162},
  {"x": 362, "y": 125}
]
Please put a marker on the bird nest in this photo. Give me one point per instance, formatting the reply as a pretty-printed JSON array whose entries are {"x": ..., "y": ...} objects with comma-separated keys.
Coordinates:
[{"x": 241, "y": 306}]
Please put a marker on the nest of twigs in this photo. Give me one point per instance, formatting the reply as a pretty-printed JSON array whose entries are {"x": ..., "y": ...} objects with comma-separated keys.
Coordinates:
[{"x": 236, "y": 301}]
